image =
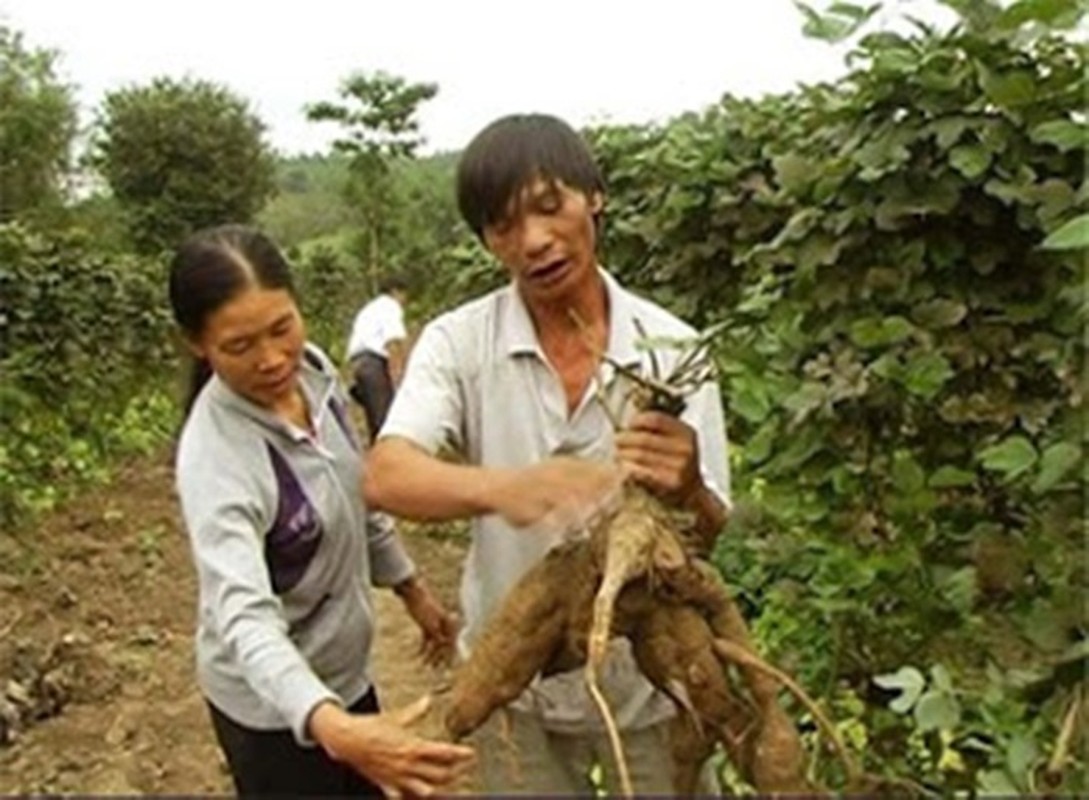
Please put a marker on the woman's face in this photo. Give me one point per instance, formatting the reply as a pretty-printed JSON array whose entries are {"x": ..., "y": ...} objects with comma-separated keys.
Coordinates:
[{"x": 254, "y": 343}]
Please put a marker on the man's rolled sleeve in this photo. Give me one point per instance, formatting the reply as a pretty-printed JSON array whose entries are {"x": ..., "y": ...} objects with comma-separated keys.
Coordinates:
[
  {"x": 704, "y": 413},
  {"x": 427, "y": 409}
]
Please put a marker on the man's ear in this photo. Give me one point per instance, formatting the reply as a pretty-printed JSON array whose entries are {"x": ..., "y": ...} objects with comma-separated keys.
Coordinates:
[{"x": 597, "y": 202}]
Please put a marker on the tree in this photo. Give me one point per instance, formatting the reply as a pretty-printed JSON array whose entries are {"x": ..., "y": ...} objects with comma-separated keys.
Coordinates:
[
  {"x": 37, "y": 126},
  {"x": 380, "y": 128},
  {"x": 182, "y": 155}
]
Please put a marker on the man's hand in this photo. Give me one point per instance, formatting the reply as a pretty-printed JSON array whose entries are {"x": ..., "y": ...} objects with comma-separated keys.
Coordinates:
[
  {"x": 438, "y": 626},
  {"x": 661, "y": 453},
  {"x": 561, "y": 494}
]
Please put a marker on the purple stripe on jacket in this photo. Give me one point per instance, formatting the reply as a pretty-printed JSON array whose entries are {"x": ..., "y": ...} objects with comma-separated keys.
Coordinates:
[{"x": 296, "y": 532}]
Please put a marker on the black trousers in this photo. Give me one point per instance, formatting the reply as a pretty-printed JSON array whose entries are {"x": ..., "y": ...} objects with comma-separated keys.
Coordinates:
[
  {"x": 372, "y": 388},
  {"x": 272, "y": 764}
]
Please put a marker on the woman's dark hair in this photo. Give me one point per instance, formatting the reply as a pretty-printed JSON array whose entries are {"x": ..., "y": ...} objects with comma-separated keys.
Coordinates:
[
  {"x": 212, "y": 267},
  {"x": 503, "y": 158}
]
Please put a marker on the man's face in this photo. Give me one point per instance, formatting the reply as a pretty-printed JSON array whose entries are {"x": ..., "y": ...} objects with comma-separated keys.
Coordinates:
[{"x": 547, "y": 239}]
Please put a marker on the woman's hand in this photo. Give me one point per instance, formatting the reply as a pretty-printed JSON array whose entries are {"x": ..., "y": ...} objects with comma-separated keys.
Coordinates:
[
  {"x": 438, "y": 625},
  {"x": 380, "y": 747}
]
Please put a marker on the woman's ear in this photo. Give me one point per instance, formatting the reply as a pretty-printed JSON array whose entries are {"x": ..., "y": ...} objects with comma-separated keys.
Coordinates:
[{"x": 597, "y": 203}]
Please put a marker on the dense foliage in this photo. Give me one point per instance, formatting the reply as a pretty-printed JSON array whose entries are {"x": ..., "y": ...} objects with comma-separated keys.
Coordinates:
[
  {"x": 37, "y": 125},
  {"x": 901, "y": 365},
  {"x": 86, "y": 360},
  {"x": 897, "y": 261},
  {"x": 182, "y": 155},
  {"x": 424, "y": 241},
  {"x": 379, "y": 131}
]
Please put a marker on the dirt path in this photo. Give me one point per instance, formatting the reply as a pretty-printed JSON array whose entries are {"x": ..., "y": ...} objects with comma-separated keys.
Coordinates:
[{"x": 97, "y": 694}]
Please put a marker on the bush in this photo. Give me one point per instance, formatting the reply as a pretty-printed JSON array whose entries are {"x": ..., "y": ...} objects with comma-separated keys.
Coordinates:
[
  {"x": 86, "y": 352},
  {"x": 901, "y": 360}
]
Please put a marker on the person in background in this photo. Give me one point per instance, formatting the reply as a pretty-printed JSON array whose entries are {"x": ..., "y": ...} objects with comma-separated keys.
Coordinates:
[
  {"x": 510, "y": 382},
  {"x": 268, "y": 471},
  {"x": 377, "y": 351}
]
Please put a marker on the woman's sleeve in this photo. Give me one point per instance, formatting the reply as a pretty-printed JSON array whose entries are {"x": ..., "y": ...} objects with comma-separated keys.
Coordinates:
[
  {"x": 390, "y": 564},
  {"x": 225, "y": 528}
]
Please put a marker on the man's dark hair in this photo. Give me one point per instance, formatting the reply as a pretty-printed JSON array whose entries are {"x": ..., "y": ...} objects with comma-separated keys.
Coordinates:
[{"x": 511, "y": 152}]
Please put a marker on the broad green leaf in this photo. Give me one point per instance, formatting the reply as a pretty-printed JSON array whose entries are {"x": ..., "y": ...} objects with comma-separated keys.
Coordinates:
[
  {"x": 898, "y": 61},
  {"x": 1011, "y": 457},
  {"x": 939, "y": 313},
  {"x": 1062, "y": 133},
  {"x": 854, "y": 11},
  {"x": 948, "y": 130},
  {"x": 940, "y": 80},
  {"x": 880, "y": 156},
  {"x": 809, "y": 397},
  {"x": 1006, "y": 191},
  {"x": 907, "y": 476},
  {"x": 1011, "y": 89},
  {"x": 1041, "y": 626},
  {"x": 925, "y": 375},
  {"x": 996, "y": 783},
  {"x": 880, "y": 332},
  {"x": 794, "y": 172},
  {"x": 935, "y": 197},
  {"x": 839, "y": 21},
  {"x": 757, "y": 449},
  {"x": 909, "y": 681},
  {"x": 798, "y": 226},
  {"x": 818, "y": 249},
  {"x": 960, "y": 588},
  {"x": 949, "y": 477},
  {"x": 1056, "y": 461},
  {"x": 943, "y": 681},
  {"x": 1073, "y": 235},
  {"x": 888, "y": 366},
  {"x": 749, "y": 399},
  {"x": 1046, "y": 12},
  {"x": 970, "y": 160},
  {"x": 937, "y": 711},
  {"x": 1021, "y": 755},
  {"x": 1054, "y": 198}
]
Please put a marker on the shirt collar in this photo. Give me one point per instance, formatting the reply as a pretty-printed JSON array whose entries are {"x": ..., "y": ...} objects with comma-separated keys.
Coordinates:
[{"x": 519, "y": 337}]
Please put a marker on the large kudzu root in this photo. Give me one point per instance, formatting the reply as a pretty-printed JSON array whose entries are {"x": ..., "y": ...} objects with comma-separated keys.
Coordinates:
[
  {"x": 524, "y": 638},
  {"x": 672, "y": 645},
  {"x": 687, "y": 636}
]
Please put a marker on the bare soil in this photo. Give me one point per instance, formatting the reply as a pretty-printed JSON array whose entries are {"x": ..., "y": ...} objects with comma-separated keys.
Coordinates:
[{"x": 97, "y": 687}]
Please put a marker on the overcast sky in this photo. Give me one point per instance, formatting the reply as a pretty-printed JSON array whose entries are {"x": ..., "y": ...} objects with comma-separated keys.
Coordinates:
[{"x": 585, "y": 60}]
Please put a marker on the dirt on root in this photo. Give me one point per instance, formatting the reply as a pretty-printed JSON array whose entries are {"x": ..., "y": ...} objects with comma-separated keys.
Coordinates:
[{"x": 97, "y": 605}]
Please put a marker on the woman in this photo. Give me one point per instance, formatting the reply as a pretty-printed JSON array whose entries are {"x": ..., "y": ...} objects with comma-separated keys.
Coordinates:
[{"x": 267, "y": 472}]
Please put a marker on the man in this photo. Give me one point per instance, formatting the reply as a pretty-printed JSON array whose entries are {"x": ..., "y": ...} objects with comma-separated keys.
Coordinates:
[
  {"x": 509, "y": 382},
  {"x": 376, "y": 351}
]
